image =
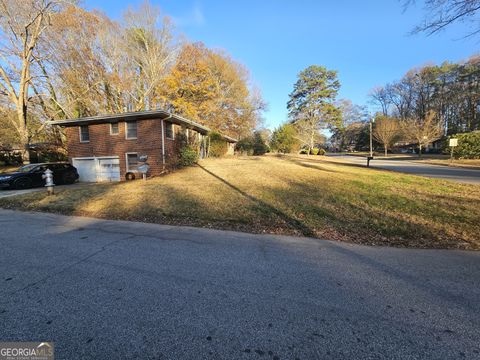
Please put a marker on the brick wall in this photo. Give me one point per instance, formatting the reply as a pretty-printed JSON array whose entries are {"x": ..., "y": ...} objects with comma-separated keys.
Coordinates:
[{"x": 148, "y": 142}]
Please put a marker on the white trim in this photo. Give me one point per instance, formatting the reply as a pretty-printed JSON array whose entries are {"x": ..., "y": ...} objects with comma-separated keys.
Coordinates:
[
  {"x": 126, "y": 131},
  {"x": 95, "y": 157},
  {"x": 126, "y": 162},
  {"x": 80, "y": 134},
  {"x": 118, "y": 129}
]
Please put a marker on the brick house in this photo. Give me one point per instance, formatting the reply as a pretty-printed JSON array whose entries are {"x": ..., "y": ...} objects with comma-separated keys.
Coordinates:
[{"x": 111, "y": 147}]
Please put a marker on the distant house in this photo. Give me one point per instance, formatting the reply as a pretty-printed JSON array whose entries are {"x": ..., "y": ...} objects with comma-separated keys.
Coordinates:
[{"x": 111, "y": 147}]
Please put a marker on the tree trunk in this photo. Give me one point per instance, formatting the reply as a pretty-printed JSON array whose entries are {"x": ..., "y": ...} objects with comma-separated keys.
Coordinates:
[
  {"x": 24, "y": 138},
  {"x": 419, "y": 150},
  {"x": 386, "y": 150}
]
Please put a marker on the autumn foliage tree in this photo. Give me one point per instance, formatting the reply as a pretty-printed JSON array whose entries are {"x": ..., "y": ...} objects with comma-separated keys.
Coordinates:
[
  {"x": 59, "y": 60},
  {"x": 208, "y": 86},
  {"x": 97, "y": 65}
]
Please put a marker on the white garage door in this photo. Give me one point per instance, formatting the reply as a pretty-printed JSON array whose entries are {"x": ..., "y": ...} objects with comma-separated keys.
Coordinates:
[
  {"x": 108, "y": 169},
  {"x": 97, "y": 169},
  {"x": 86, "y": 169}
]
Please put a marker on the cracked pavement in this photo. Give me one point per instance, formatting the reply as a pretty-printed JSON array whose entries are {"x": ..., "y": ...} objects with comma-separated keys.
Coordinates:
[{"x": 114, "y": 289}]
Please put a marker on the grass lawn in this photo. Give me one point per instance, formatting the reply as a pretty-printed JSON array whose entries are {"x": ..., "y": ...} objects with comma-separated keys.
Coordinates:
[
  {"x": 8, "y": 168},
  {"x": 310, "y": 196}
]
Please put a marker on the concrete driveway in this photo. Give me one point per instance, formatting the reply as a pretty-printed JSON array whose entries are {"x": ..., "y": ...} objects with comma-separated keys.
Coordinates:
[
  {"x": 467, "y": 176},
  {"x": 120, "y": 290}
]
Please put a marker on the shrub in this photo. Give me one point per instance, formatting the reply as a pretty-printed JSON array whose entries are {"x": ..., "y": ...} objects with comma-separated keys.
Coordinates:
[
  {"x": 252, "y": 145},
  {"x": 304, "y": 151},
  {"x": 322, "y": 152},
  {"x": 468, "y": 145},
  {"x": 245, "y": 146},
  {"x": 314, "y": 151},
  {"x": 188, "y": 156},
  {"x": 259, "y": 146},
  {"x": 217, "y": 146},
  {"x": 283, "y": 139}
]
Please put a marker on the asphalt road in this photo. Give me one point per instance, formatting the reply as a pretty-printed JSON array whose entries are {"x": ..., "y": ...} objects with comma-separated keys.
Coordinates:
[
  {"x": 467, "y": 176},
  {"x": 120, "y": 290}
]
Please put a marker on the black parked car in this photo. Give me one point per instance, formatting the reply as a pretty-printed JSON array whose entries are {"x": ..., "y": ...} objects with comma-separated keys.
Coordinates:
[{"x": 31, "y": 175}]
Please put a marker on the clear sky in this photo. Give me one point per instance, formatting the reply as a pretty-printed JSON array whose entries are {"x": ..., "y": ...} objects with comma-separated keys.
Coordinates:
[{"x": 368, "y": 42}]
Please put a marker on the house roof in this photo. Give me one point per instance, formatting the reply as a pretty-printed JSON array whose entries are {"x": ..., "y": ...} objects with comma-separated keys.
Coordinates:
[
  {"x": 229, "y": 139},
  {"x": 132, "y": 116},
  {"x": 138, "y": 115}
]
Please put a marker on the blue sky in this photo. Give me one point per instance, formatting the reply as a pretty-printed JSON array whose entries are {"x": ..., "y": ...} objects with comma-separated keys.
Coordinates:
[{"x": 368, "y": 42}]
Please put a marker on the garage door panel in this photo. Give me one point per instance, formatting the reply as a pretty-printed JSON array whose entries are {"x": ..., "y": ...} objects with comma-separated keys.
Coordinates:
[
  {"x": 97, "y": 169},
  {"x": 86, "y": 169},
  {"x": 108, "y": 170}
]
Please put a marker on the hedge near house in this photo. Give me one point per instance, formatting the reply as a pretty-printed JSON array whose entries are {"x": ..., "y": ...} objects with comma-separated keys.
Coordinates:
[
  {"x": 259, "y": 146},
  {"x": 252, "y": 145},
  {"x": 217, "y": 145},
  {"x": 245, "y": 146},
  {"x": 468, "y": 145},
  {"x": 188, "y": 156}
]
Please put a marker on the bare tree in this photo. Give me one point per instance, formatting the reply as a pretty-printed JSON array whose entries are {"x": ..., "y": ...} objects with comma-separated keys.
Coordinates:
[
  {"x": 423, "y": 131},
  {"x": 97, "y": 65},
  {"x": 380, "y": 97},
  {"x": 151, "y": 51},
  {"x": 386, "y": 131},
  {"x": 442, "y": 13},
  {"x": 22, "y": 23}
]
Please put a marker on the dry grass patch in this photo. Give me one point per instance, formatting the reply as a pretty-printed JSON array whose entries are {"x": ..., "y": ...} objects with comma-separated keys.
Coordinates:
[
  {"x": 8, "y": 168},
  {"x": 287, "y": 195}
]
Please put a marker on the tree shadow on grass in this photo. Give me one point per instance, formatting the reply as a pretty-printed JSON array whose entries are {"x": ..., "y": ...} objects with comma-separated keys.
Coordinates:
[
  {"x": 294, "y": 223},
  {"x": 307, "y": 163},
  {"x": 299, "y": 160}
]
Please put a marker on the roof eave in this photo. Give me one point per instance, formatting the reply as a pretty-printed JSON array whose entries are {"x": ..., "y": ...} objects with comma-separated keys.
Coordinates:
[{"x": 132, "y": 116}]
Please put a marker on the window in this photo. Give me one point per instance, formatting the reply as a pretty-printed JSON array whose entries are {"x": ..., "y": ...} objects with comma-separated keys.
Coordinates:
[
  {"x": 132, "y": 161},
  {"x": 131, "y": 130},
  {"x": 41, "y": 169},
  {"x": 84, "y": 134},
  {"x": 113, "y": 128},
  {"x": 169, "y": 134}
]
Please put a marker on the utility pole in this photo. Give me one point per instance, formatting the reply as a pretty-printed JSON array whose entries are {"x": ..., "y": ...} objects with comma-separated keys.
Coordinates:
[{"x": 372, "y": 120}]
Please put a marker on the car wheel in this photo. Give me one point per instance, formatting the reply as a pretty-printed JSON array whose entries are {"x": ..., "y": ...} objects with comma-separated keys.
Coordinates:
[{"x": 23, "y": 183}]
